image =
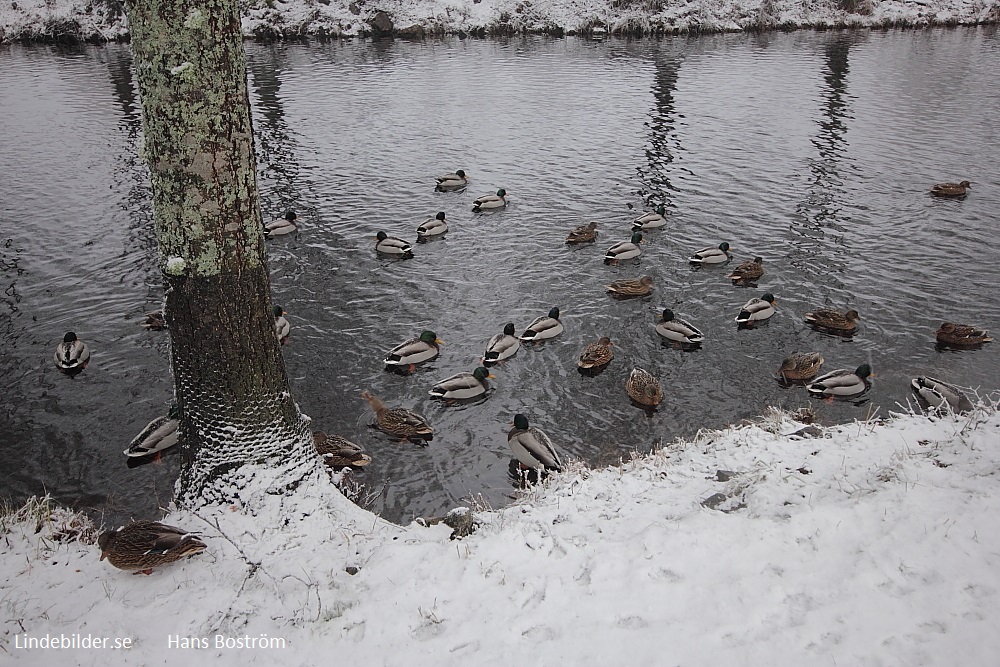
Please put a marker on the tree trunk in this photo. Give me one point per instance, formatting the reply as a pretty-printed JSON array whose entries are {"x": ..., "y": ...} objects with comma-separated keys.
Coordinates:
[{"x": 229, "y": 376}]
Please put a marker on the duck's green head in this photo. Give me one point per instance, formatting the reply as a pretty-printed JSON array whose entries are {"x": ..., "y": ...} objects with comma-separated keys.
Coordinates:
[
  {"x": 381, "y": 236},
  {"x": 290, "y": 215},
  {"x": 174, "y": 412},
  {"x": 439, "y": 216},
  {"x": 70, "y": 337},
  {"x": 428, "y": 336},
  {"x": 724, "y": 246},
  {"x": 460, "y": 173},
  {"x": 554, "y": 312},
  {"x": 668, "y": 315},
  {"x": 501, "y": 193},
  {"x": 864, "y": 370},
  {"x": 661, "y": 209},
  {"x": 520, "y": 421},
  {"x": 509, "y": 329},
  {"x": 768, "y": 297},
  {"x": 278, "y": 311},
  {"x": 636, "y": 238},
  {"x": 482, "y": 373}
]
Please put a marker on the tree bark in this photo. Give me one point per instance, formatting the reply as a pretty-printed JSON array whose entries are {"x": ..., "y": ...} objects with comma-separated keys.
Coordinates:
[{"x": 229, "y": 376}]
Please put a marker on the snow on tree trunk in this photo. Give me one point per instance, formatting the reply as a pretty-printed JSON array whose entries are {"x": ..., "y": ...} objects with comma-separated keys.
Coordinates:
[{"x": 229, "y": 376}]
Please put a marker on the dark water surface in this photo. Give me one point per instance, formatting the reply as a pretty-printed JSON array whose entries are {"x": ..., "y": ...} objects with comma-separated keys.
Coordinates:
[{"x": 812, "y": 150}]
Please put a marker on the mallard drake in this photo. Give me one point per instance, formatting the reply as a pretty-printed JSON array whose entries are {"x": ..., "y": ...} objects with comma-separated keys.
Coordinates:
[
  {"x": 716, "y": 255},
  {"x": 643, "y": 387},
  {"x": 463, "y": 385},
  {"x": 958, "y": 335},
  {"x": 414, "y": 350},
  {"x": 502, "y": 346},
  {"x": 748, "y": 272},
  {"x": 143, "y": 545},
  {"x": 531, "y": 446},
  {"x": 937, "y": 393},
  {"x": 583, "y": 234},
  {"x": 281, "y": 326},
  {"x": 626, "y": 289},
  {"x": 597, "y": 354},
  {"x": 432, "y": 226},
  {"x": 678, "y": 330},
  {"x": 281, "y": 226},
  {"x": 398, "y": 422},
  {"x": 453, "y": 181},
  {"x": 546, "y": 326},
  {"x": 490, "y": 202},
  {"x": 72, "y": 354},
  {"x": 339, "y": 452},
  {"x": 624, "y": 249},
  {"x": 831, "y": 319},
  {"x": 390, "y": 245},
  {"x": 951, "y": 189},
  {"x": 756, "y": 309},
  {"x": 842, "y": 382},
  {"x": 801, "y": 366},
  {"x": 652, "y": 219},
  {"x": 155, "y": 321},
  {"x": 159, "y": 434}
]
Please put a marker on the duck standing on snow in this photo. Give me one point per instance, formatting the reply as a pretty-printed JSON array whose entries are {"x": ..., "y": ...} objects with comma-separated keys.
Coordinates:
[
  {"x": 390, "y": 245},
  {"x": 624, "y": 249},
  {"x": 842, "y": 382},
  {"x": 398, "y": 422},
  {"x": 800, "y": 366},
  {"x": 143, "y": 545},
  {"x": 502, "y": 346},
  {"x": 958, "y": 335},
  {"x": 281, "y": 326},
  {"x": 463, "y": 385},
  {"x": 627, "y": 289},
  {"x": 338, "y": 452},
  {"x": 937, "y": 393},
  {"x": 643, "y": 387},
  {"x": 432, "y": 227},
  {"x": 159, "y": 434},
  {"x": 281, "y": 226},
  {"x": 451, "y": 182},
  {"x": 490, "y": 202},
  {"x": 597, "y": 354},
  {"x": 72, "y": 355},
  {"x": 677, "y": 330},
  {"x": 546, "y": 326},
  {"x": 756, "y": 310},
  {"x": 531, "y": 446},
  {"x": 951, "y": 189},
  {"x": 833, "y": 321},
  {"x": 716, "y": 255},
  {"x": 414, "y": 350},
  {"x": 583, "y": 234},
  {"x": 651, "y": 220},
  {"x": 748, "y": 273}
]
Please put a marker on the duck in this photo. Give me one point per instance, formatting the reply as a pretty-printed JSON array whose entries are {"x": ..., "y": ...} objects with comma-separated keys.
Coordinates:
[
  {"x": 717, "y": 255},
  {"x": 432, "y": 227},
  {"x": 532, "y": 447},
  {"x": 490, "y": 202},
  {"x": 338, "y": 452},
  {"x": 398, "y": 422},
  {"x": 748, "y": 272},
  {"x": 958, "y": 335},
  {"x": 756, "y": 310},
  {"x": 651, "y": 219},
  {"x": 831, "y": 319},
  {"x": 159, "y": 434},
  {"x": 143, "y": 545},
  {"x": 842, "y": 382},
  {"x": 390, "y": 245},
  {"x": 627, "y": 289},
  {"x": 281, "y": 226},
  {"x": 800, "y": 366},
  {"x": 951, "y": 189},
  {"x": 454, "y": 181},
  {"x": 281, "y": 326},
  {"x": 624, "y": 249},
  {"x": 413, "y": 351},
  {"x": 597, "y": 354},
  {"x": 72, "y": 354},
  {"x": 677, "y": 330},
  {"x": 583, "y": 234},
  {"x": 463, "y": 385},
  {"x": 155, "y": 321},
  {"x": 502, "y": 346},
  {"x": 643, "y": 387},
  {"x": 546, "y": 326},
  {"x": 937, "y": 394}
]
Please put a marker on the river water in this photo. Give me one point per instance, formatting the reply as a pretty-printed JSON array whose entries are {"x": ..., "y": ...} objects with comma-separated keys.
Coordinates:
[{"x": 813, "y": 150}]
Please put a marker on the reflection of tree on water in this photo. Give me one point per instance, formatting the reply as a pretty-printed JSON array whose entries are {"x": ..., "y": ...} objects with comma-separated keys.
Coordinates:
[{"x": 663, "y": 144}]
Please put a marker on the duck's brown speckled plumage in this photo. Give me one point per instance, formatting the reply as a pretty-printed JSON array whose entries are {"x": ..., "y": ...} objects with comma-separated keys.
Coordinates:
[{"x": 143, "y": 545}]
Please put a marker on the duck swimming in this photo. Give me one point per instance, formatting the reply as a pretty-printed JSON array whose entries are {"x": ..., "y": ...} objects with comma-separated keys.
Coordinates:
[
  {"x": 716, "y": 255},
  {"x": 546, "y": 326},
  {"x": 651, "y": 220},
  {"x": 72, "y": 354},
  {"x": 414, "y": 350},
  {"x": 450, "y": 182},
  {"x": 502, "y": 346},
  {"x": 282, "y": 226},
  {"x": 842, "y": 382},
  {"x": 463, "y": 385},
  {"x": 432, "y": 227},
  {"x": 624, "y": 249},
  {"x": 677, "y": 330},
  {"x": 398, "y": 422},
  {"x": 756, "y": 310},
  {"x": 490, "y": 202},
  {"x": 390, "y": 245}
]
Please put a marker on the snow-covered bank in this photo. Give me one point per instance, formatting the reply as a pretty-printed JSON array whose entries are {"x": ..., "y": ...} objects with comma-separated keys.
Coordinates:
[
  {"x": 863, "y": 544},
  {"x": 103, "y": 20}
]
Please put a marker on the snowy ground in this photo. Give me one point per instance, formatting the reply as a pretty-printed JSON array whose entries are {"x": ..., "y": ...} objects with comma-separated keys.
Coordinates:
[
  {"x": 103, "y": 20},
  {"x": 864, "y": 544}
]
